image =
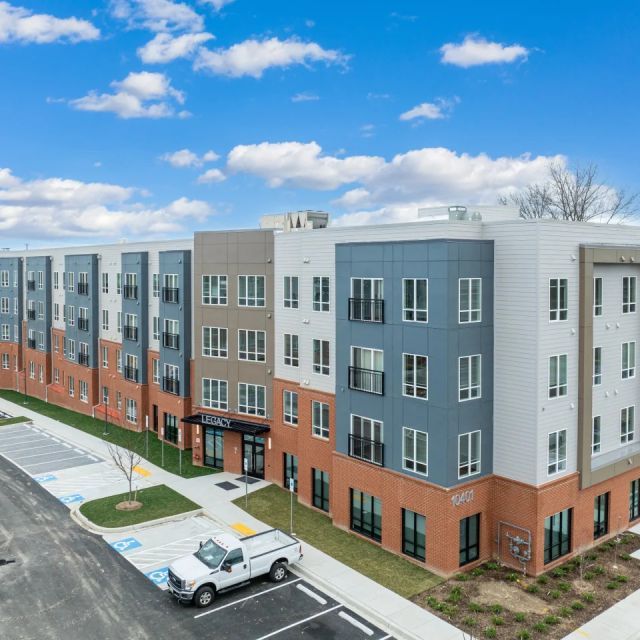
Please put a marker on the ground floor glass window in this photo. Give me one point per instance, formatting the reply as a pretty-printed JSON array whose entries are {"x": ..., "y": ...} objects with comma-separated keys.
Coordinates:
[
  {"x": 366, "y": 514},
  {"x": 290, "y": 471},
  {"x": 320, "y": 482},
  {"x": 601, "y": 515},
  {"x": 469, "y": 539},
  {"x": 634, "y": 500},
  {"x": 413, "y": 534},
  {"x": 557, "y": 535}
]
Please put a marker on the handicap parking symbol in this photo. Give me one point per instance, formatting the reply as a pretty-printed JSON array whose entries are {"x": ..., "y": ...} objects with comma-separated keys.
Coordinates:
[
  {"x": 74, "y": 497},
  {"x": 159, "y": 577},
  {"x": 46, "y": 478},
  {"x": 126, "y": 544}
]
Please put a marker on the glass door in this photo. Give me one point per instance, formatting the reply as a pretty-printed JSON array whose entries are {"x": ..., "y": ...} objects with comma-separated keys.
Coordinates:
[
  {"x": 214, "y": 448},
  {"x": 253, "y": 452}
]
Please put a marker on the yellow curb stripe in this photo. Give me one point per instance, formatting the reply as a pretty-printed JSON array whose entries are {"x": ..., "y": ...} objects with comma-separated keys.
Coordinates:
[
  {"x": 243, "y": 529},
  {"x": 145, "y": 473}
]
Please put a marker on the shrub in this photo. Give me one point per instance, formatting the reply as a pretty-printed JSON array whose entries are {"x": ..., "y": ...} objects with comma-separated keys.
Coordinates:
[
  {"x": 576, "y": 605},
  {"x": 496, "y": 608},
  {"x": 475, "y": 607},
  {"x": 492, "y": 566},
  {"x": 455, "y": 596},
  {"x": 469, "y": 621},
  {"x": 542, "y": 579},
  {"x": 533, "y": 588},
  {"x": 478, "y": 571},
  {"x": 462, "y": 577},
  {"x": 512, "y": 577},
  {"x": 540, "y": 627},
  {"x": 612, "y": 585},
  {"x": 621, "y": 578},
  {"x": 432, "y": 602},
  {"x": 490, "y": 632},
  {"x": 589, "y": 575},
  {"x": 592, "y": 556},
  {"x": 625, "y": 556},
  {"x": 551, "y": 620},
  {"x": 558, "y": 572},
  {"x": 564, "y": 586},
  {"x": 520, "y": 617},
  {"x": 523, "y": 634},
  {"x": 602, "y": 549},
  {"x": 598, "y": 569},
  {"x": 555, "y": 594},
  {"x": 588, "y": 597},
  {"x": 497, "y": 621},
  {"x": 565, "y": 612}
]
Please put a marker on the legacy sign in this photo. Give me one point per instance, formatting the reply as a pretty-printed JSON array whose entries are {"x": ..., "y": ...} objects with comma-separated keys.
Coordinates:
[{"x": 215, "y": 421}]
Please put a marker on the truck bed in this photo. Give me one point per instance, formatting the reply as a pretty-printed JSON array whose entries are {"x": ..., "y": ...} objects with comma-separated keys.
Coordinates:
[{"x": 267, "y": 541}]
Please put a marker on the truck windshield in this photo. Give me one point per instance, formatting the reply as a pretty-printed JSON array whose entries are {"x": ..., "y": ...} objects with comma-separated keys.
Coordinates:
[{"x": 211, "y": 554}]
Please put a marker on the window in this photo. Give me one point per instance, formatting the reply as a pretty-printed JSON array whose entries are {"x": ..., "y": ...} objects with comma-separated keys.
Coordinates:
[
  {"x": 251, "y": 291},
  {"x": 105, "y": 282},
  {"x": 32, "y": 370},
  {"x": 84, "y": 391},
  {"x": 600, "y": 516},
  {"x": 214, "y": 342},
  {"x": 629, "y": 294},
  {"x": 558, "y": 376},
  {"x": 118, "y": 283},
  {"x": 597, "y": 296},
  {"x": 41, "y": 340},
  {"x": 468, "y": 454},
  {"x": 469, "y": 539},
  {"x": 131, "y": 411},
  {"x": 118, "y": 361},
  {"x": 16, "y": 333},
  {"x": 627, "y": 424},
  {"x": 105, "y": 395},
  {"x": 4, "y": 278},
  {"x": 105, "y": 357},
  {"x": 251, "y": 345},
  {"x": 155, "y": 328},
  {"x": 366, "y": 515},
  {"x": 415, "y": 306},
  {"x": 56, "y": 375},
  {"x": 321, "y": 357},
  {"x": 15, "y": 306},
  {"x": 469, "y": 300},
  {"x": 415, "y": 376},
  {"x": 155, "y": 369},
  {"x": 170, "y": 339},
  {"x": 251, "y": 399},
  {"x": 291, "y": 296},
  {"x": 72, "y": 386},
  {"x": 634, "y": 500},
  {"x": 413, "y": 534},
  {"x": 5, "y": 360},
  {"x": 290, "y": 471},
  {"x": 558, "y": 299},
  {"x": 105, "y": 319},
  {"x": 595, "y": 435},
  {"x": 367, "y": 300},
  {"x": 320, "y": 485},
  {"x": 214, "y": 289},
  {"x": 469, "y": 377},
  {"x": 628, "y": 360},
  {"x": 367, "y": 370},
  {"x": 214, "y": 394},
  {"x": 119, "y": 400},
  {"x": 291, "y": 357},
  {"x": 5, "y": 332},
  {"x": 131, "y": 286},
  {"x": 71, "y": 349},
  {"x": 155, "y": 280},
  {"x": 290, "y": 401},
  {"x": 320, "y": 293},
  {"x": 40, "y": 279},
  {"x": 365, "y": 439},
  {"x": 597, "y": 366},
  {"x": 415, "y": 450},
  {"x": 40, "y": 310},
  {"x": 71, "y": 315},
  {"x": 171, "y": 431},
  {"x": 119, "y": 321},
  {"x": 71, "y": 281},
  {"x": 557, "y": 452},
  {"x": 171, "y": 382},
  {"x": 557, "y": 535},
  {"x": 56, "y": 311},
  {"x": 320, "y": 419},
  {"x": 4, "y": 305}
]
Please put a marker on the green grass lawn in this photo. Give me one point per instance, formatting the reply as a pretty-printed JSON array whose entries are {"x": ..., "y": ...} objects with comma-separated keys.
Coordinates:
[
  {"x": 271, "y": 505},
  {"x": 15, "y": 420},
  {"x": 117, "y": 435},
  {"x": 159, "y": 502}
]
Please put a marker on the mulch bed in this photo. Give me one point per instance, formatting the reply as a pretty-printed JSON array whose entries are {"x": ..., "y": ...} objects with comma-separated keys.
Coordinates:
[{"x": 492, "y": 601}]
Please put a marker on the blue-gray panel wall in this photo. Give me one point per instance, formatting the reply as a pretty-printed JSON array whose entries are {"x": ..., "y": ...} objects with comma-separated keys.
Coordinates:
[
  {"x": 84, "y": 264},
  {"x": 36, "y": 264},
  {"x": 137, "y": 263},
  {"x": 14, "y": 267},
  {"x": 177, "y": 262},
  {"x": 442, "y": 339}
]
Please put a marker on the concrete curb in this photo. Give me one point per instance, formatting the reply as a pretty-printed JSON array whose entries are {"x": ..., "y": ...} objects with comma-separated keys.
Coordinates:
[{"x": 85, "y": 523}]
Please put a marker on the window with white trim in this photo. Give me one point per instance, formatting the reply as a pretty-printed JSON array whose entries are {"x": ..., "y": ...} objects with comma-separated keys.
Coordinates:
[
  {"x": 119, "y": 284},
  {"x": 366, "y": 439},
  {"x": 469, "y": 300},
  {"x": 4, "y": 305},
  {"x": 84, "y": 391},
  {"x": 321, "y": 357},
  {"x": 5, "y": 360},
  {"x": 252, "y": 399},
  {"x": 251, "y": 291},
  {"x": 290, "y": 407},
  {"x": 105, "y": 282},
  {"x": 105, "y": 357},
  {"x": 72, "y": 385},
  {"x": 40, "y": 310},
  {"x": 214, "y": 394},
  {"x": 558, "y": 299},
  {"x": 415, "y": 376},
  {"x": 40, "y": 279},
  {"x": 597, "y": 296},
  {"x": 291, "y": 298},
  {"x": 251, "y": 345},
  {"x": 40, "y": 374},
  {"x": 557, "y": 452},
  {"x": 5, "y": 333},
  {"x": 629, "y": 294},
  {"x": 627, "y": 424},
  {"x": 628, "y": 360},
  {"x": 214, "y": 289},
  {"x": 105, "y": 319},
  {"x": 468, "y": 454},
  {"x": 56, "y": 375},
  {"x": 131, "y": 410},
  {"x": 596, "y": 434},
  {"x": 32, "y": 369},
  {"x": 155, "y": 371},
  {"x": 415, "y": 299},
  {"x": 415, "y": 447},
  {"x": 214, "y": 342},
  {"x": 119, "y": 321},
  {"x": 558, "y": 376},
  {"x": 118, "y": 360},
  {"x": 71, "y": 349},
  {"x": 291, "y": 357},
  {"x": 320, "y": 419},
  {"x": 321, "y": 291},
  {"x": 41, "y": 340},
  {"x": 71, "y": 315},
  {"x": 155, "y": 285},
  {"x": 4, "y": 278},
  {"x": 56, "y": 311},
  {"x": 469, "y": 377},
  {"x": 71, "y": 281},
  {"x": 597, "y": 366}
]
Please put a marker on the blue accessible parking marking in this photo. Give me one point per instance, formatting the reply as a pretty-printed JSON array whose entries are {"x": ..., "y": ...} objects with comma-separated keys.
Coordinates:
[
  {"x": 47, "y": 478},
  {"x": 126, "y": 544},
  {"x": 74, "y": 497},
  {"x": 159, "y": 577}
]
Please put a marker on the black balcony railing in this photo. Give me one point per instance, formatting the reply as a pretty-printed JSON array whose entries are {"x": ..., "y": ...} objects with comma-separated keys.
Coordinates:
[
  {"x": 31, "y": 314},
  {"x": 131, "y": 373},
  {"x": 83, "y": 359},
  {"x": 366, "y": 449},
  {"x": 170, "y": 340},
  {"x": 366, "y": 380},
  {"x": 31, "y": 285},
  {"x": 31, "y": 343},
  {"x": 83, "y": 324},
  {"x": 131, "y": 291},
  {"x": 171, "y": 385},
  {"x": 170, "y": 295},
  {"x": 366, "y": 309},
  {"x": 83, "y": 288},
  {"x": 130, "y": 332}
]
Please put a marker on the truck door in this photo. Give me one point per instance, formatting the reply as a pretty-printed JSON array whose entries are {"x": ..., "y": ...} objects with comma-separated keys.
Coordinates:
[{"x": 234, "y": 569}]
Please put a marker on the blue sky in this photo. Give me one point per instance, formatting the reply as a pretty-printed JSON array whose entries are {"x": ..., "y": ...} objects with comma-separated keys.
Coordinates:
[{"x": 302, "y": 105}]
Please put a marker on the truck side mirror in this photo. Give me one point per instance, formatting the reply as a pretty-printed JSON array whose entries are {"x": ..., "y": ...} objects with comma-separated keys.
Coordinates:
[{"x": 201, "y": 544}]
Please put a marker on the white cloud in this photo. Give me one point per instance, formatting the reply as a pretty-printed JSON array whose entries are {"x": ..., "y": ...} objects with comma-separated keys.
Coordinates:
[
  {"x": 217, "y": 4},
  {"x": 63, "y": 208},
  {"x": 187, "y": 158},
  {"x": 139, "y": 95},
  {"x": 436, "y": 110},
  {"x": 165, "y": 48},
  {"x": 21, "y": 25},
  {"x": 157, "y": 15},
  {"x": 254, "y": 57},
  {"x": 368, "y": 130},
  {"x": 304, "y": 96},
  {"x": 211, "y": 176},
  {"x": 474, "y": 51}
]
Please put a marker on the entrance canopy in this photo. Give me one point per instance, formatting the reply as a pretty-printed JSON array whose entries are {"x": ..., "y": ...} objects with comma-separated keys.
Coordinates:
[{"x": 208, "y": 420}]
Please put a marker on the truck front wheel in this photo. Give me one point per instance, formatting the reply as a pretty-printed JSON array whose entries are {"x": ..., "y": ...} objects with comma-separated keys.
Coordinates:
[
  {"x": 204, "y": 597},
  {"x": 278, "y": 572}
]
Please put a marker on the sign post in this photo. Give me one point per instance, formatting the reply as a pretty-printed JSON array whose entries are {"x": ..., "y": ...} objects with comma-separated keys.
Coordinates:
[
  {"x": 292, "y": 485},
  {"x": 146, "y": 439},
  {"x": 162, "y": 446},
  {"x": 246, "y": 483}
]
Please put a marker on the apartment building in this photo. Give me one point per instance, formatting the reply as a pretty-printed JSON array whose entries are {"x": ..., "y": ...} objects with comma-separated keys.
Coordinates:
[{"x": 455, "y": 388}]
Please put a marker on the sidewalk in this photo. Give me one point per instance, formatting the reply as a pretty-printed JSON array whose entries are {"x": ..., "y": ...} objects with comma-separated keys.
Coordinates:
[{"x": 392, "y": 613}]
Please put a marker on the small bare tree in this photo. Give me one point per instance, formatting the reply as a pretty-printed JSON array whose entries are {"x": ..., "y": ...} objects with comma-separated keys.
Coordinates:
[
  {"x": 574, "y": 194},
  {"x": 125, "y": 459}
]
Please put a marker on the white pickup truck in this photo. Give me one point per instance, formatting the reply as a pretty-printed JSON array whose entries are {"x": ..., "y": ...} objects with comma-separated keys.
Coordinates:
[{"x": 225, "y": 561}]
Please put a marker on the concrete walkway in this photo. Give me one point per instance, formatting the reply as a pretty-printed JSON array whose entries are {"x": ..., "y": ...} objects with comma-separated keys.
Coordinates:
[{"x": 389, "y": 611}]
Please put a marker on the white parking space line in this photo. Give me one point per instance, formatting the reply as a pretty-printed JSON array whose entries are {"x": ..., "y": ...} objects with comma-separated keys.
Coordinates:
[
  {"x": 64, "y": 444},
  {"x": 356, "y": 623},
  {"x": 37, "y": 464},
  {"x": 39, "y": 455},
  {"x": 27, "y": 437},
  {"x": 296, "y": 624},
  {"x": 311, "y": 594},
  {"x": 385, "y": 637},
  {"x": 166, "y": 552},
  {"x": 255, "y": 595},
  {"x": 28, "y": 448}
]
